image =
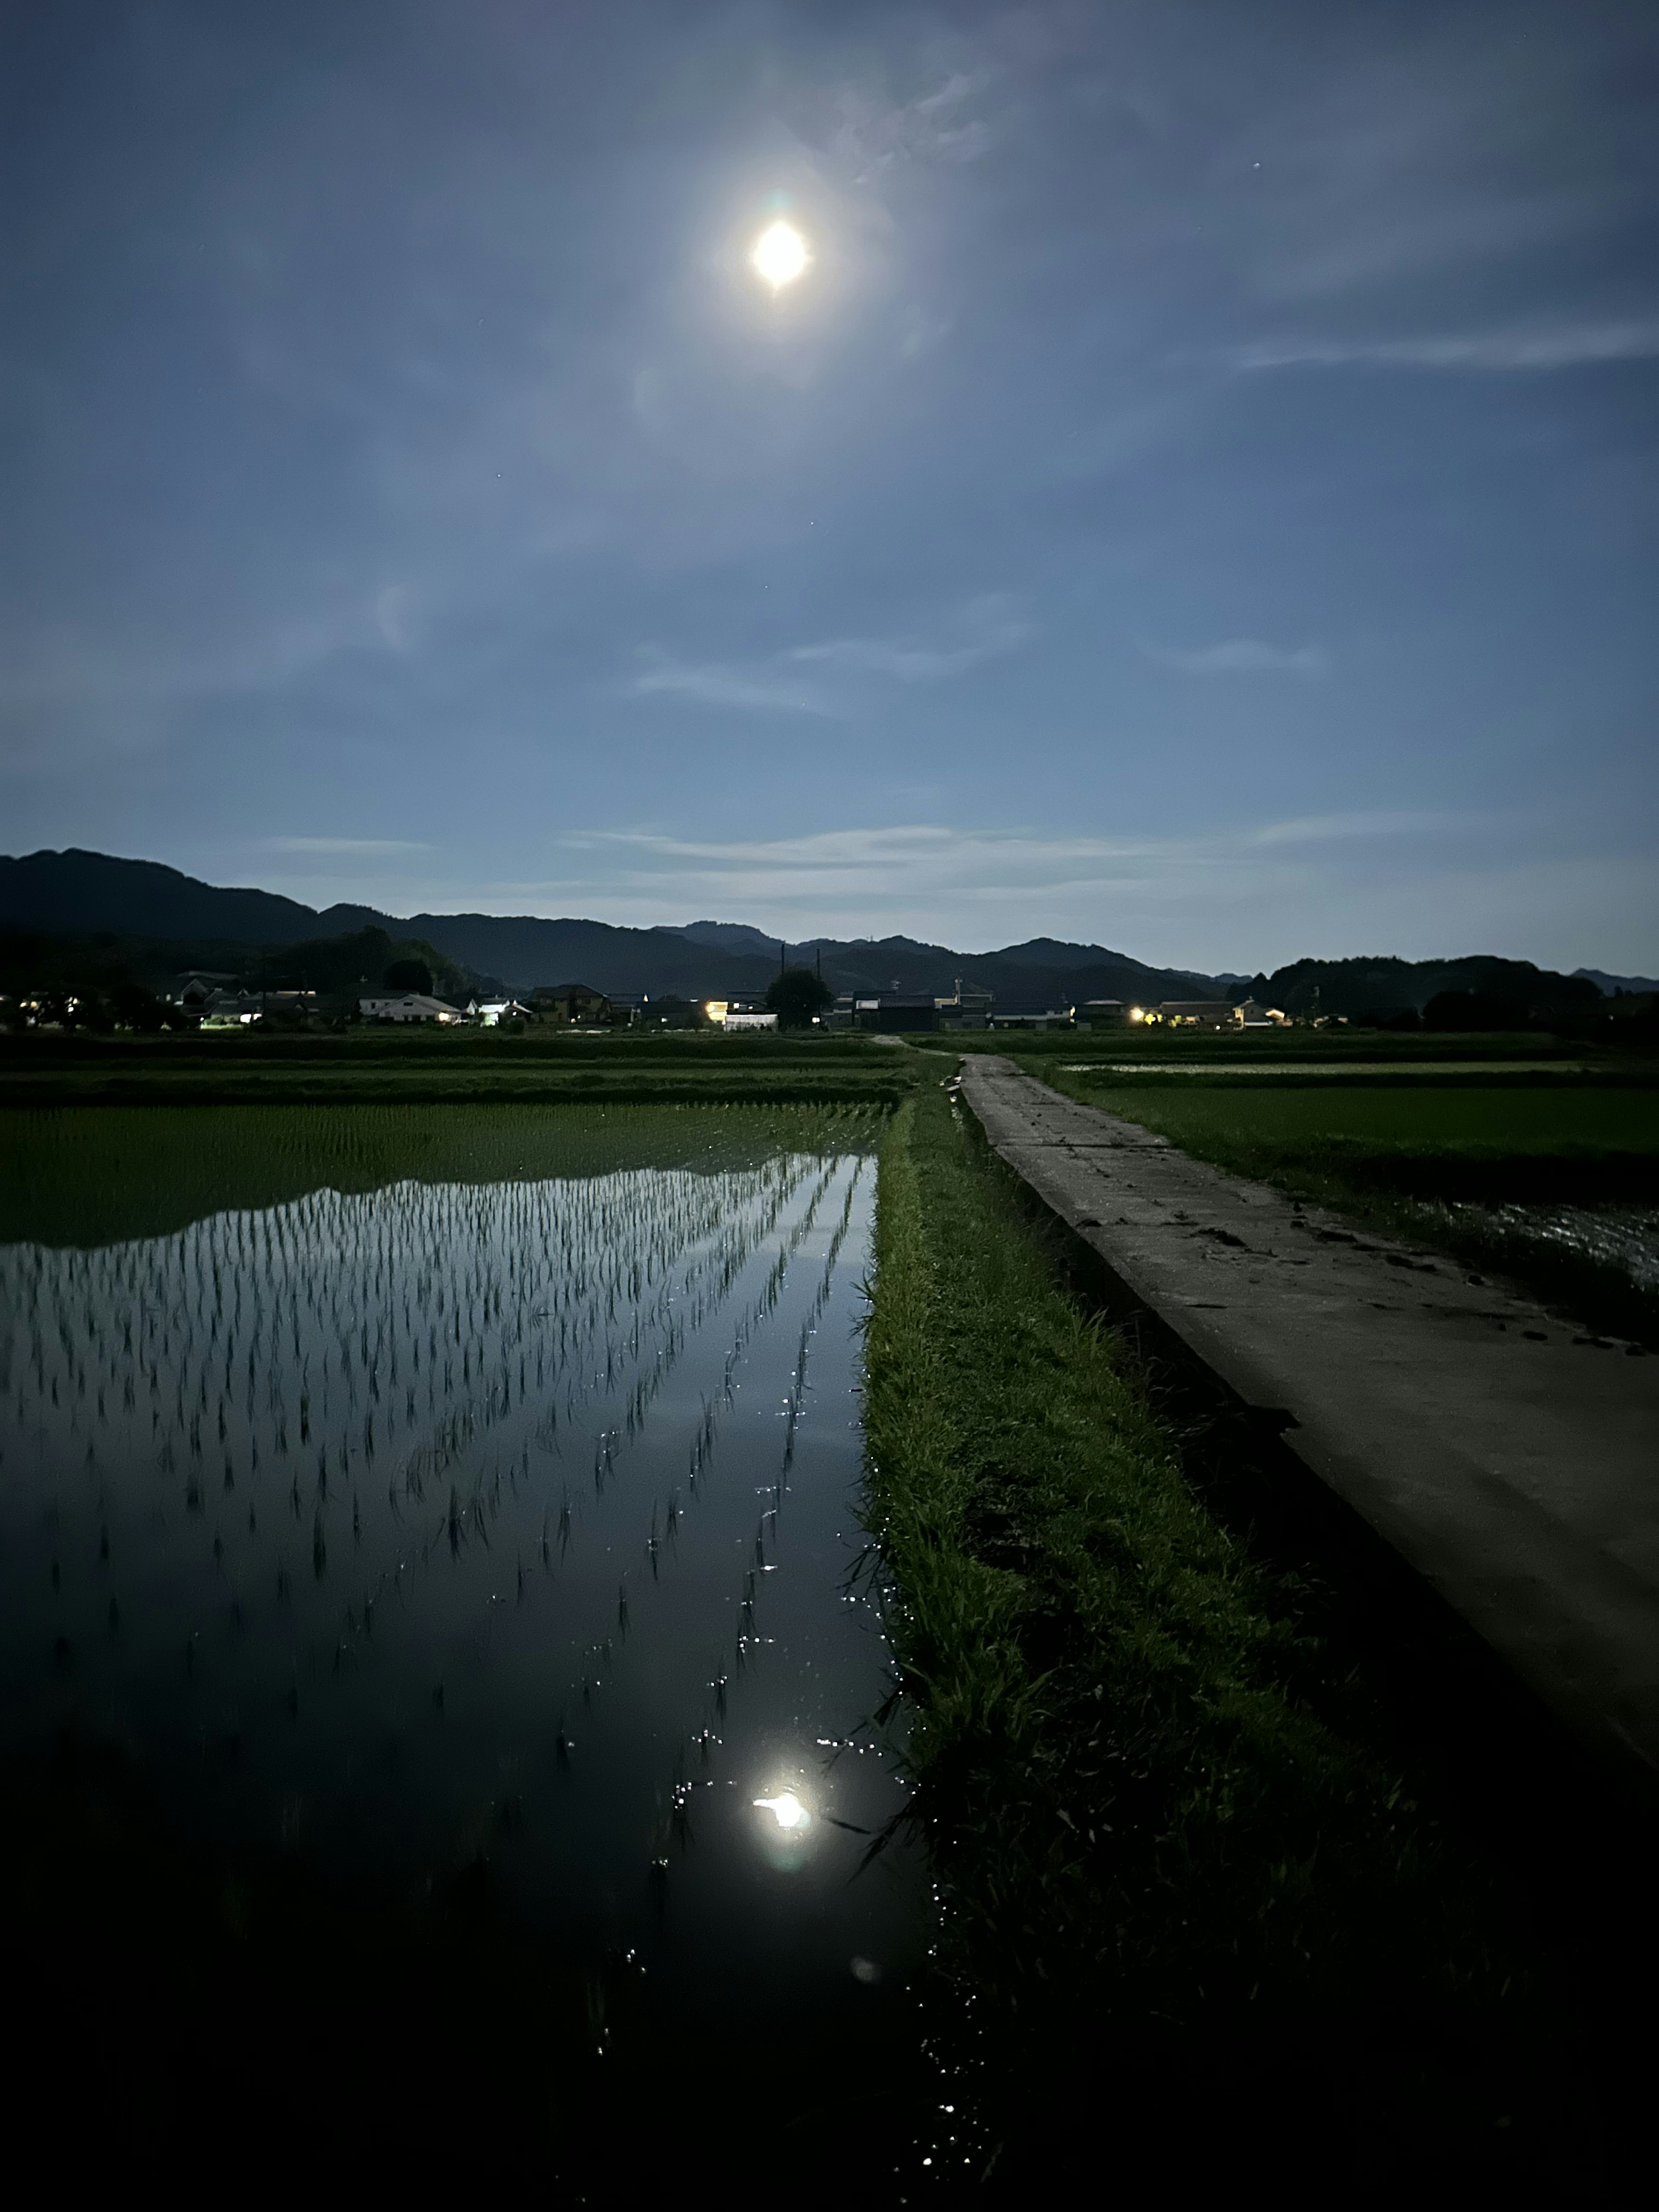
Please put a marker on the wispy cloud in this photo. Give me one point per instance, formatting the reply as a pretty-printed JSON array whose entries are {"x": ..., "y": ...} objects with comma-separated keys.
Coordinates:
[
  {"x": 1564, "y": 346},
  {"x": 985, "y": 629},
  {"x": 873, "y": 132},
  {"x": 895, "y": 877},
  {"x": 1243, "y": 656},
  {"x": 765, "y": 687},
  {"x": 815, "y": 679},
  {"x": 1334, "y": 829},
  {"x": 359, "y": 847}
]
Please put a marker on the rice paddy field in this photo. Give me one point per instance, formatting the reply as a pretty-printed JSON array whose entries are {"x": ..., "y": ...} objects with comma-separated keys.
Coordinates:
[
  {"x": 431, "y": 1584},
  {"x": 461, "y": 1066}
]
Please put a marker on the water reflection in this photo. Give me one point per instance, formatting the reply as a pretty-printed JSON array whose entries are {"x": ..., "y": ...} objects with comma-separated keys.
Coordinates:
[
  {"x": 447, "y": 1525},
  {"x": 786, "y": 1809},
  {"x": 1624, "y": 1237}
]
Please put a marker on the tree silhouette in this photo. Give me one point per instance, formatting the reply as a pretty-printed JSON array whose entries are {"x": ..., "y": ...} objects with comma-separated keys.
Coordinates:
[{"x": 797, "y": 996}]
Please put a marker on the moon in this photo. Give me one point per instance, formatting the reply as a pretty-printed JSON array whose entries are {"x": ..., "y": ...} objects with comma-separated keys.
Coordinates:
[{"x": 780, "y": 255}]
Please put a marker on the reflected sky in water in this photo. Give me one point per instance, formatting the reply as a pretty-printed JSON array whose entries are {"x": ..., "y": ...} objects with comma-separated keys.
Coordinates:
[{"x": 506, "y": 1524}]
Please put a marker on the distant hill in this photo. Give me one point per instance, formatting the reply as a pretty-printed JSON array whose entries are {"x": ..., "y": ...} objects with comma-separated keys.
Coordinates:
[
  {"x": 77, "y": 893},
  {"x": 728, "y": 937},
  {"x": 1635, "y": 985},
  {"x": 84, "y": 894}
]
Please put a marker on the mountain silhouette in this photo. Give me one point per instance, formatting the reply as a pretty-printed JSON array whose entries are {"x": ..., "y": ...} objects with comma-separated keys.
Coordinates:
[{"x": 78, "y": 893}]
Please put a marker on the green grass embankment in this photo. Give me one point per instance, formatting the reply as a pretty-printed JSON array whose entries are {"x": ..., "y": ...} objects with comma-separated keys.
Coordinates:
[{"x": 1172, "y": 1870}]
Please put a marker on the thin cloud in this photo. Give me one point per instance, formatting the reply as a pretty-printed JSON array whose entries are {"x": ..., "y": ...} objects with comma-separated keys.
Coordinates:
[
  {"x": 1331, "y": 829},
  {"x": 988, "y": 627},
  {"x": 913, "y": 864},
  {"x": 1243, "y": 656},
  {"x": 1571, "y": 346},
  {"x": 764, "y": 687},
  {"x": 802, "y": 678},
  {"x": 360, "y": 846},
  {"x": 1163, "y": 899},
  {"x": 873, "y": 133}
]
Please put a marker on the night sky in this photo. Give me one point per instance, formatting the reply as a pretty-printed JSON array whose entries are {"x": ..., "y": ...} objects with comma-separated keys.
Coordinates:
[{"x": 1199, "y": 496}]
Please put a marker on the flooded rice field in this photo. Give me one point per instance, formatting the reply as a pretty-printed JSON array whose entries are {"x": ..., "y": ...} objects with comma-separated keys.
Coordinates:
[
  {"x": 1624, "y": 1239},
  {"x": 501, "y": 1531}
]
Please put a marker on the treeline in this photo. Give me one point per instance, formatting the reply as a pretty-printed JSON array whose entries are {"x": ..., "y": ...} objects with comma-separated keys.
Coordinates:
[
  {"x": 104, "y": 981},
  {"x": 1480, "y": 992}
]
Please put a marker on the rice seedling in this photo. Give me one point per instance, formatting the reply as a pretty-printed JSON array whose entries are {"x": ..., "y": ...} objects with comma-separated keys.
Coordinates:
[{"x": 429, "y": 1367}]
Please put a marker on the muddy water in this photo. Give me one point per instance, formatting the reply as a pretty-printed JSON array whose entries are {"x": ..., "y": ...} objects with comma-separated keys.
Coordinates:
[
  {"x": 1623, "y": 1238},
  {"x": 445, "y": 1527}
]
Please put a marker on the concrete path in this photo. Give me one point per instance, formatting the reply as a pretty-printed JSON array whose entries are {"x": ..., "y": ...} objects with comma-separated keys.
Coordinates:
[{"x": 1512, "y": 1460}]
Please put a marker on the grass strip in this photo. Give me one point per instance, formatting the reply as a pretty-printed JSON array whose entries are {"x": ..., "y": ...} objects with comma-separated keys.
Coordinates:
[{"x": 1152, "y": 1849}]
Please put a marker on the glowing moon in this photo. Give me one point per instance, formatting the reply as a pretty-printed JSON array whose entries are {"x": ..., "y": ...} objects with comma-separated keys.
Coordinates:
[
  {"x": 779, "y": 255},
  {"x": 786, "y": 1808}
]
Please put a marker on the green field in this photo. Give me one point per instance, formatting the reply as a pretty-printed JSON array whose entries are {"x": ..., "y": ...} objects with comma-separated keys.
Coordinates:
[
  {"x": 1245, "y": 1120},
  {"x": 1547, "y": 1174},
  {"x": 454, "y": 1068},
  {"x": 1285, "y": 1048}
]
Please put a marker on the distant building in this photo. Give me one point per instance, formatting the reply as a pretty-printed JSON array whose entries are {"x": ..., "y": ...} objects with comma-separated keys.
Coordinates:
[
  {"x": 1034, "y": 1017},
  {"x": 407, "y": 1007},
  {"x": 1253, "y": 1016},
  {"x": 893, "y": 1012},
  {"x": 748, "y": 1013},
  {"x": 193, "y": 991},
  {"x": 490, "y": 1013},
  {"x": 570, "y": 1002},
  {"x": 967, "y": 1009},
  {"x": 1105, "y": 1014},
  {"x": 1199, "y": 1014}
]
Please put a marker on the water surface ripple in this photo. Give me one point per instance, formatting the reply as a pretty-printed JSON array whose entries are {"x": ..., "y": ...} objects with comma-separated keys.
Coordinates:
[{"x": 503, "y": 1524}]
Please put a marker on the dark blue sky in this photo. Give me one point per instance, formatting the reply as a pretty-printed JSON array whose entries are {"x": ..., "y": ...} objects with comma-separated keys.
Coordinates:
[{"x": 1202, "y": 496}]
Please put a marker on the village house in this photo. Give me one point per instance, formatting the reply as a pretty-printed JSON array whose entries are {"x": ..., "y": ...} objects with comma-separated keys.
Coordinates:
[
  {"x": 193, "y": 991},
  {"x": 407, "y": 1007},
  {"x": 1198, "y": 1014},
  {"x": 570, "y": 1002},
  {"x": 1035, "y": 1016},
  {"x": 895, "y": 1011},
  {"x": 965, "y": 1009},
  {"x": 735, "y": 1014}
]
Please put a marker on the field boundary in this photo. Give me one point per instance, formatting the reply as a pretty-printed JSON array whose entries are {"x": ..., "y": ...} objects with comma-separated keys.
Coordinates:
[{"x": 1508, "y": 1463}]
